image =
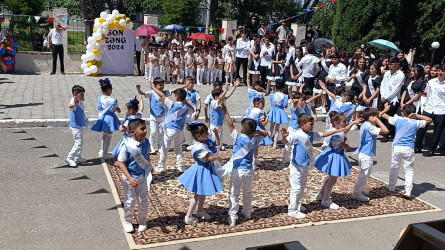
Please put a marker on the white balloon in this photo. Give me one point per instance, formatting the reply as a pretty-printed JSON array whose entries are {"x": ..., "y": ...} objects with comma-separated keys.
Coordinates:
[
  {"x": 122, "y": 22},
  {"x": 83, "y": 56},
  {"x": 90, "y": 47},
  {"x": 130, "y": 26},
  {"x": 86, "y": 71},
  {"x": 97, "y": 36},
  {"x": 103, "y": 14},
  {"x": 83, "y": 66},
  {"x": 91, "y": 40},
  {"x": 96, "y": 45},
  {"x": 105, "y": 30},
  {"x": 96, "y": 20},
  {"x": 109, "y": 20},
  {"x": 90, "y": 56},
  {"x": 99, "y": 57},
  {"x": 93, "y": 69},
  {"x": 115, "y": 12},
  {"x": 105, "y": 25},
  {"x": 97, "y": 25}
]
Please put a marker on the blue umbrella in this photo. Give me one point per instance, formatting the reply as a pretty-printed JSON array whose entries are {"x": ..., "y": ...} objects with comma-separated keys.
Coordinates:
[
  {"x": 174, "y": 27},
  {"x": 384, "y": 44}
]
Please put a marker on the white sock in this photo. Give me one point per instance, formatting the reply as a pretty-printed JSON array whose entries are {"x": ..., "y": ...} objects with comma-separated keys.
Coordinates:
[
  {"x": 107, "y": 143},
  {"x": 104, "y": 141}
]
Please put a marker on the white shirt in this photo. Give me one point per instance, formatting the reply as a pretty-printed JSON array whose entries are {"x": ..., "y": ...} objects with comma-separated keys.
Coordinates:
[
  {"x": 289, "y": 56},
  {"x": 261, "y": 32},
  {"x": 309, "y": 63},
  {"x": 56, "y": 36},
  {"x": 338, "y": 72},
  {"x": 391, "y": 86},
  {"x": 242, "y": 48},
  {"x": 282, "y": 32},
  {"x": 138, "y": 43},
  {"x": 174, "y": 41},
  {"x": 226, "y": 48},
  {"x": 266, "y": 60},
  {"x": 404, "y": 149},
  {"x": 436, "y": 97}
]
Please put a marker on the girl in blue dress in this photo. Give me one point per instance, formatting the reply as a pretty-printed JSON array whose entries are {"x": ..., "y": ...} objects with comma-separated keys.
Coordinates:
[
  {"x": 201, "y": 178},
  {"x": 332, "y": 160},
  {"x": 132, "y": 111},
  {"x": 277, "y": 114},
  {"x": 108, "y": 121}
]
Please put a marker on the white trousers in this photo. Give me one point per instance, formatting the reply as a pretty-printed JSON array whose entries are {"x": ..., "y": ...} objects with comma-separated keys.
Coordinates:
[
  {"x": 153, "y": 72},
  {"x": 164, "y": 73},
  {"x": 217, "y": 74},
  {"x": 132, "y": 194},
  {"x": 177, "y": 137},
  {"x": 210, "y": 76},
  {"x": 229, "y": 77},
  {"x": 241, "y": 179},
  {"x": 407, "y": 160},
  {"x": 188, "y": 72},
  {"x": 288, "y": 148},
  {"x": 298, "y": 179},
  {"x": 156, "y": 132},
  {"x": 76, "y": 151},
  {"x": 365, "y": 162},
  {"x": 200, "y": 79}
]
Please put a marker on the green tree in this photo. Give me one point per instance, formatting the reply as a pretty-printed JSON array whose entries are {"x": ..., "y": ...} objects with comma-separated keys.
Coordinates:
[
  {"x": 73, "y": 6},
  {"x": 430, "y": 27},
  {"x": 132, "y": 7},
  {"x": 184, "y": 12},
  {"x": 28, "y": 7},
  {"x": 359, "y": 21},
  {"x": 324, "y": 17}
]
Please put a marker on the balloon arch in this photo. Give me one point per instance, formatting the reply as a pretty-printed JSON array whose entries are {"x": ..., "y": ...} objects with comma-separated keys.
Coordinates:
[{"x": 92, "y": 59}]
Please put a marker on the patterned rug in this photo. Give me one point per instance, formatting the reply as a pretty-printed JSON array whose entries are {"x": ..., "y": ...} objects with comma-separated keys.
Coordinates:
[{"x": 169, "y": 201}]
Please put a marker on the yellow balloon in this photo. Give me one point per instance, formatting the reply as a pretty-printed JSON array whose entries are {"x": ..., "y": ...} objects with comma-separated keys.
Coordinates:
[
  {"x": 127, "y": 20},
  {"x": 93, "y": 61},
  {"x": 96, "y": 52},
  {"x": 123, "y": 16},
  {"x": 111, "y": 26},
  {"x": 122, "y": 28},
  {"x": 94, "y": 30},
  {"x": 94, "y": 74},
  {"x": 99, "y": 64},
  {"x": 103, "y": 37},
  {"x": 115, "y": 23},
  {"x": 118, "y": 17},
  {"x": 89, "y": 64},
  {"x": 98, "y": 41},
  {"x": 101, "y": 20}
]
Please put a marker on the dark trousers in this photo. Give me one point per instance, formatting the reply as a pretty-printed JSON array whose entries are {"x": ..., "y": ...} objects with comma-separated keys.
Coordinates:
[
  {"x": 138, "y": 60},
  {"x": 439, "y": 125},
  {"x": 392, "y": 111},
  {"x": 264, "y": 71},
  {"x": 309, "y": 86},
  {"x": 58, "y": 50},
  {"x": 238, "y": 63}
]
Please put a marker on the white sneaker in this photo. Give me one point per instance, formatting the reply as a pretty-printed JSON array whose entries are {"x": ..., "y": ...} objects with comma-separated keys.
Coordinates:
[
  {"x": 128, "y": 227},
  {"x": 160, "y": 169},
  {"x": 232, "y": 221},
  {"x": 70, "y": 162},
  {"x": 190, "y": 220},
  {"x": 301, "y": 208},
  {"x": 203, "y": 215},
  {"x": 319, "y": 197},
  {"x": 246, "y": 214},
  {"x": 330, "y": 204},
  {"x": 180, "y": 169},
  {"x": 101, "y": 153},
  {"x": 108, "y": 156},
  {"x": 80, "y": 160},
  {"x": 297, "y": 214},
  {"x": 323, "y": 110},
  {"x": 354, "y": 127},
  {"x": 406, "y": 194},
  {"x": 142, "y": 226},
  {"x": 223, "y": 148},
  {"x": 359, "y": 197},
  {"x": 189, "y": 148}
]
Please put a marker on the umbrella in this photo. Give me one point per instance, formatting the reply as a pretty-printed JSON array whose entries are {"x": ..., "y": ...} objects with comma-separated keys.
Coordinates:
[
  {"x": 202, "y": 36},
  {"x": 320, "y": 42},
  {"x": 146, "y": 30},
  {"x": 384, "y": 44},
  {"x": 174, "y": 27}
]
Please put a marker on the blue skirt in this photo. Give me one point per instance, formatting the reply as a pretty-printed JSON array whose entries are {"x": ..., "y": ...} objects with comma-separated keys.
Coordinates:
[
  {"x": 278, "y": 115},
  {"x": 333, "y": 162},
  {"x": 108, "y": 123},
  {"x": 201, "y": 180},
  {"x": 116, "y": 150},
  {"x": 267, "y": 141}
]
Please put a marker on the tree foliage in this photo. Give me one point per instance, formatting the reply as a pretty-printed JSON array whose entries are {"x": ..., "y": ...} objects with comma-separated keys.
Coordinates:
[
  {"x": 73, "y": 6},
  {"x": 324, "y": 17},
  {"x": 132, "y": 7},
  {"x": 359, "y": 21},
  {"x": 184, "y": 12},
  {"x": 430, "y": 27},
  {"x": 28, "y": 7}
]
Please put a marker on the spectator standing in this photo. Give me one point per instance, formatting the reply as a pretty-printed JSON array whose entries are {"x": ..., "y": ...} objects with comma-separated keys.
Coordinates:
[
  {"x": 45, "y": 38},
  {"x": 252, "y": 27},
  {"x": 138, "y": 48},
  {"x": 318, "y": 32},
  {"x": 242, "y": 54},
  {"x": 55, "y": 41},
  {"x": 239, "y": 32},
  {"x": 282, "y": 32},
  {"x": 262, "y": 30},
  {"x": 310, "y": 34}
]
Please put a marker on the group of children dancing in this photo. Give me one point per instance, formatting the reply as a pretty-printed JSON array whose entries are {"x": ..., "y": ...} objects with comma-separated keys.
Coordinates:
[{"x": 168, "y": 119}]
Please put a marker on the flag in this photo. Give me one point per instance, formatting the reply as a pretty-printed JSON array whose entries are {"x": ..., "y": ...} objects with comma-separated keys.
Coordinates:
[
  {"x": 222, "y": 30},
  {"x": 51, "y": 19},
  {"x": 74, "y": 21},
  {"x": 200, "y": 29},
  {"x": 67, "y": 20},
  {"x": 37, "y": 18},
  {"x": 159, "y": 26},
  {"x": 29, "y": 20},
  {"x": 233, "y": 31},
  {"x": 187, "y": 28},
  {"x": 211, "y": 29}
]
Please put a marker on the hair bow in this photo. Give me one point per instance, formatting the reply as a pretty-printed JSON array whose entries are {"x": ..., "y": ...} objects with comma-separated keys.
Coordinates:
[
  {"x": 132, "y": 100},
  {"x": 258, "y": 97},
  {"x": 104, "y": 80},
  {"x": 195, "y": 123}
]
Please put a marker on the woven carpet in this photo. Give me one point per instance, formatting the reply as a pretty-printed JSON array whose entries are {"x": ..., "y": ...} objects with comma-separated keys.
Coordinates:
[{"x": 169, "y": 201}]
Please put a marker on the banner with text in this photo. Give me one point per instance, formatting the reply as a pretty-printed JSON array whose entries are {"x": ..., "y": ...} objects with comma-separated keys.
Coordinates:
[{"x": 118, "y": 56}]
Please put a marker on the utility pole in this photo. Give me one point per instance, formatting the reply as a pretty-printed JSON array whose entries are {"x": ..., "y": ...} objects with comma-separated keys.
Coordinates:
[{"x": 208, "y": 17}]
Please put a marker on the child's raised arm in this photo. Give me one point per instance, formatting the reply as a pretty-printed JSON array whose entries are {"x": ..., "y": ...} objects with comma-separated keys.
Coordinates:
[
  {"x": 262, "y": 133},
  {"x": 158, "y": 92},
  {"x": 284, "y": 135},
  {"x": 235, "y": 85},
  {"x": 421, "y": 117},
  {"x": 141, "y": 104},
  {"x": 217, "y": 139},
  {"x": 330, "y": 94},
  {"x": 138, "y": 87},
  {"x": 383, "y": 129},
  {"x": 227, "y": 117}
]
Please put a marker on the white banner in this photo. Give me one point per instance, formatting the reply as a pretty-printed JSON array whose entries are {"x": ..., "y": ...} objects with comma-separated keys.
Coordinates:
[{"x": 118, "y": 56}]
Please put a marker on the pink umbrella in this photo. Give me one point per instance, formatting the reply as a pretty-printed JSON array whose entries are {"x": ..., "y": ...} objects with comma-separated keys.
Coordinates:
[
  {"x": 146, "y": 30},
  {"x": 202, "y": 36}
]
